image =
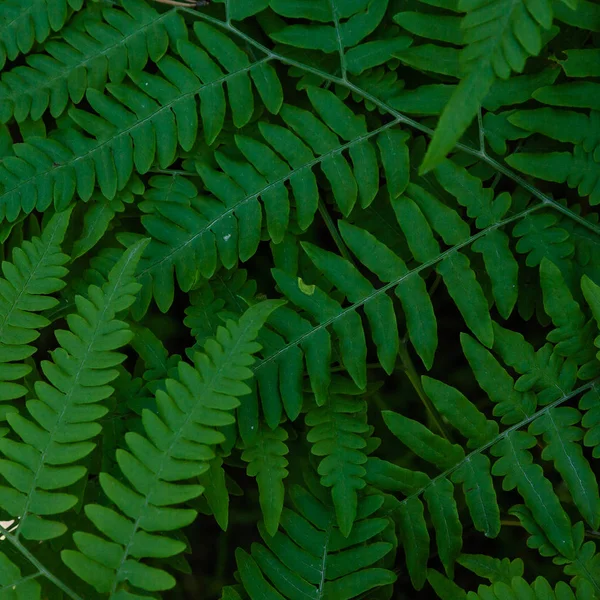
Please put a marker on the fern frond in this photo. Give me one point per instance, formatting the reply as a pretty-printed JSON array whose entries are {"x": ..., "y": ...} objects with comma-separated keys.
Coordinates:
[
  {"x": 287, "y": 351},
  {"x": 309, "y": 555},
  {"x": 138, "y": 124},
  {"x": 239, "y": 185},
  {"x": 418, "y": 217},
  {"x": 127, "y": 36},
  {"x": 516, "y": 465},
  {"x": 267, "y": 463},
  {"x": 177, "y": 445},
  {"x": 36, "y": 272},
  {"x": 25, "y": 22},
  {"x": 39, "y": 456},
  {"x": 337, "y": 432}
]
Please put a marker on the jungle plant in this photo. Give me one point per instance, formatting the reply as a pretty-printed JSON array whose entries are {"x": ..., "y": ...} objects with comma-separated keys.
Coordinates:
[{"x": 295, "y": 303}]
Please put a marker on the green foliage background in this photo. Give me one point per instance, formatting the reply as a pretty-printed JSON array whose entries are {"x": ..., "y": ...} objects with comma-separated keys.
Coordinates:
[{"x": 300, "y": 299}]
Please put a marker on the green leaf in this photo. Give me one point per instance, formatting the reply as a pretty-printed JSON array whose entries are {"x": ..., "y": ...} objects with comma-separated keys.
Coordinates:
[
  {"x": 460, "y": 412},
  {"x": 559, "y": 426},
  {"x": 429, "y": 446},
  {"x": 492, "y": 569},
  {"x": 475, "y": 475},
  {"x": 336, "y": 433},
  {"x": 466, "y": 292},
  {"x": 444, "y": 516},
  {"x": 516, "y": 466},
  {"x": 267, "y": 463},
  {"x": 512, "y": 406},
  {"x": 412, "y": 529}
]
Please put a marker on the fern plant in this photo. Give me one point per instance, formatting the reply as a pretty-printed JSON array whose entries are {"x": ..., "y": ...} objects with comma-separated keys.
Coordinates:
[{"x": 299, "y": 300}]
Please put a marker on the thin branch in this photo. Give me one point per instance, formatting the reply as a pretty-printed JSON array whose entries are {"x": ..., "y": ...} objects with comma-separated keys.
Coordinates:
[
  {"x": 38, "y": 565},
  {"x": 481, "y": 131},
  {"x": 411, "y": 372},
  {"x": 333, "y": 231}
]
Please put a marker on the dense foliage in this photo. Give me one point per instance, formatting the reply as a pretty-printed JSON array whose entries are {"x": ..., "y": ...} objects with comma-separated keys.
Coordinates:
[{"x": 300, "y": 299}]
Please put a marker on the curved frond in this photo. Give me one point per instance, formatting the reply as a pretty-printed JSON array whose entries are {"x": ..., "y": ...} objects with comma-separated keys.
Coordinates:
[
  {"x": 36, "y": 272},
  {"x": 40, "y": 454},
  {"x": 177, "y": 444}
]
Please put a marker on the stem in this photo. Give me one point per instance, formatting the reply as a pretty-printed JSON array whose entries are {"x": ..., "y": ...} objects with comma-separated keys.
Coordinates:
[
  {"x": 38, "y": 565},
  {"x": 481, "y": 131},
  {"x": 335, "y": 234},
  {"x": 413, "y": 377}
]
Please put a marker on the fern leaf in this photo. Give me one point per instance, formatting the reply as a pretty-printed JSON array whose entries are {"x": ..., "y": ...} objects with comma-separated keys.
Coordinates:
[
  {"x": 267, "y": 463},
  {"x": 216, "y": 492},
  {"x": 468, "y": 296},
  {"x": 35, "y": 273},
  {"x": 129, "y": 36},
  {"x": 443, "y": 587},
  {"x": 361, "y": 18},
  {"x": 460, "y": 413},
  {"x": 138, "y": 124},
  {"x": 348, "y": 327},
  {"x": 412, "y": 291},
  {"x": 511, "y": 405},
  {"x": 515, "y": 463},
  {"x": 493, "y": 569},
  {"x": 379, "y": 311},
  {"x": 310, "y": 556},
  {"x": 481, "y": 205},
  {"x": 444, "y": 515},
  {"x": 429, "y": 446},
  {"x": 64, "y": 415},
  {"x": 22, "y": 24},
  {"x": 560, "y": 434},
  {"x": 412, "y": 529},
  {"x": 177, "y": 445},
  {"x": 475, "y": 475},
  {"x": 572, "y": 336},
  {"x": 337, "y": 431},
  {"x": 578, "y": 168}
]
